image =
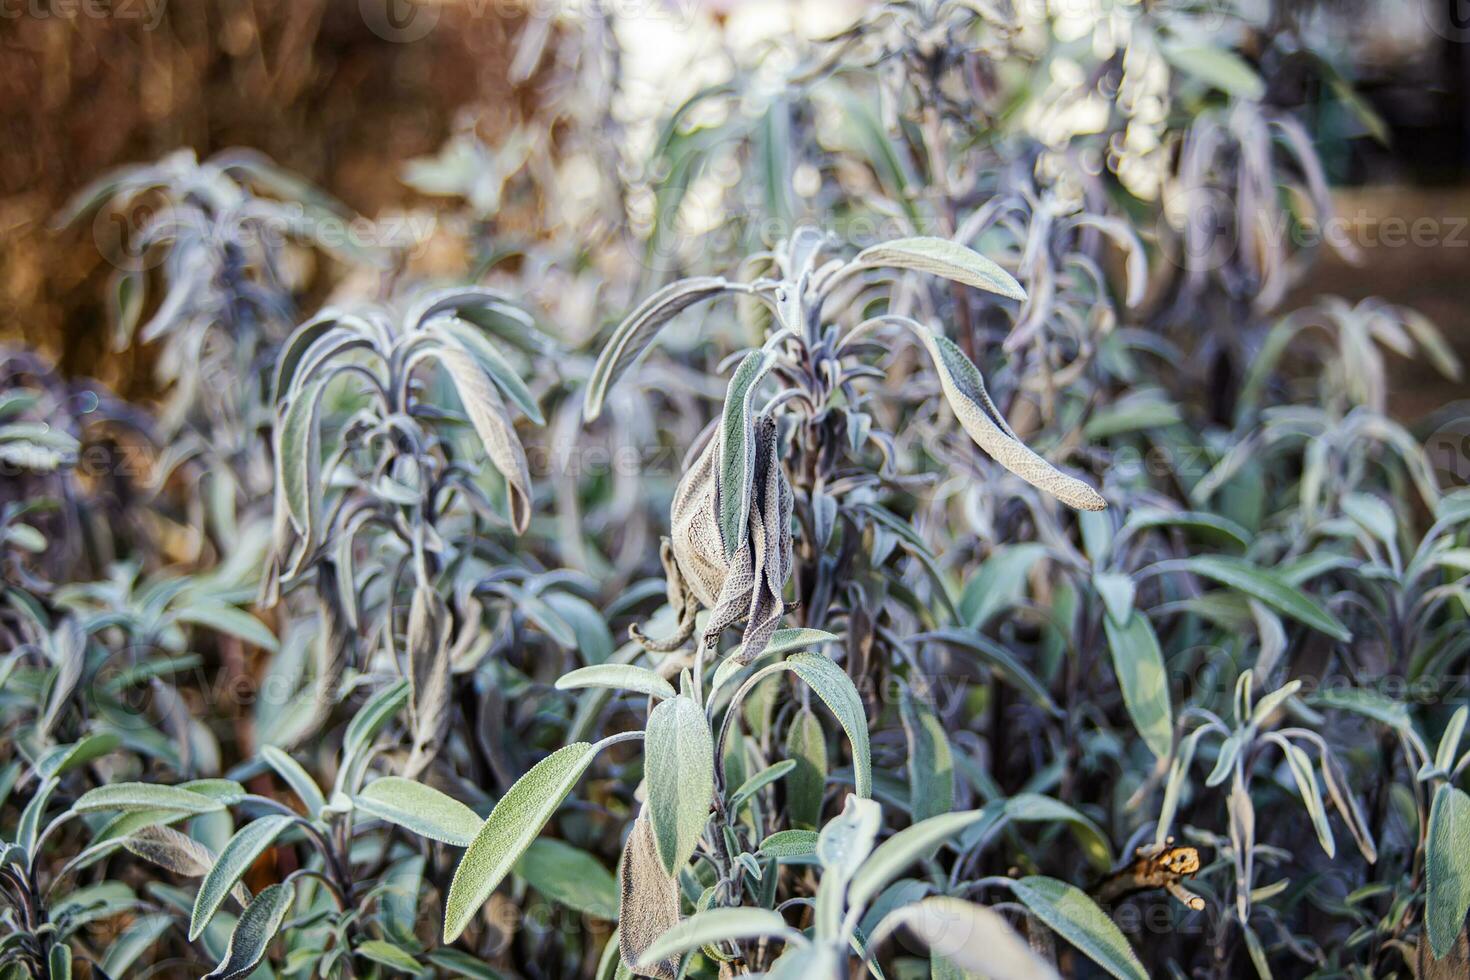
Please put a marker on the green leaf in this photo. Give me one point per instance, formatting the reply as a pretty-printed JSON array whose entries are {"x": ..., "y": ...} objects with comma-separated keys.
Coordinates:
[
  {"x": 235, "y": 858},
  {"x": 130, "y": 797},
  {"x": 1139, "y": 664},
  {"x": 790, "y": 845},
  {"x": 257, "y": 926},
  {"x": 570, "y": 876},
  {"x": 737, "y": 448},
  {"x": 718, "y": 925},
  {"x": 229, "y": 620},
  {"x": 1373, "y": 514},
  {"x": 678, "y": 764},
  {"x": 1036, "y": 808},
  {"x": 474, "y": 342},
  {"x": 903, "y": 849},
  {"x": 492, "y": 423},
  {"x": 831, "y": 683},
  {"x": 999, "y": 583},
  {"x": 964, "y": 388},
  {"x": 387, "y": 954},
  {"x": 1216, "y": 66},
  {"x": 421, "y": 809},
  {"x": 622, "y": 677},
  {"x": 59, "y": 962},
  {"x": 509, "y": 830},
  {"x": 1212, "y": 527},
  {"x": 299, "y": 458},
  {"x": 1077, "y": 919},
  {"x": 998, "y": 658},
  {"x": 1258, "y": 583},
  {"x": 806, "y": 748},
  {"x": 1447, "y": 864},
  {"x": 1364, "y": 701},
  {"x": 61, "y": 759},
  {"x": 1449, "y": 742},
  {"x": 942, "y": 257},
  {"x": 1300, "y": 765},
  {"x": 1117, "y": 591},
  {"x": 758, "y": 782},
  {"x": 296, "y": 777},
  {"x": 931, "y": 765},
  {"x": 133, "y": 942},
  {"x": 636, "y": 332}
]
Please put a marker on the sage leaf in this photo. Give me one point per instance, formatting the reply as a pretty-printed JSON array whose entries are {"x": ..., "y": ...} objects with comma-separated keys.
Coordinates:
[
  {"x": 635, "y": 333},
  {"x": 509, "y": 830},
  {"x": 964, "y": 388},
  {"x": 1076, "y": 918},
  {"x": 679, "y": 767},
  {"x": 419, "y": 808},
  {"x": 619, "y": 677},
  {"x": 235, "y": 858},
  {"x": 1139, "y": 665},
  {"x": 257, "y": 926},
  {"x": 1447, "y": 866},
  {"x": 942, "y": 257}
]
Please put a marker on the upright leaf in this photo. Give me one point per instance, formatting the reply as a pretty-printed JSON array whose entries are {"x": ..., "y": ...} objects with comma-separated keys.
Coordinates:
[
  {"x": 1447, "y": 865},
  {"x": 679, "y": 766},
  {"x": 235, "y": 858},
  {"x": 1139, "y": 664},
  {"x": 257, "y": 926},
  {"x": 509, "y": 830}
]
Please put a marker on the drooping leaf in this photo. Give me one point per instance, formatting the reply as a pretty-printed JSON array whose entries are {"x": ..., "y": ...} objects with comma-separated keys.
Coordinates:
[
  {"x": 737, "y": 449},
  {"x": 831, "y": 683},
  {"x": 1076, "y": 918},
  {"x": 492, "y": 423},
  {"x": 1258, "y": 583},
  {"x": 964, "y": 388},
  {"x": 895, "y": 854},
  {"x": 300, "y": 781},
  {"x": 718, "y": 925},
  {"x": 648, "y": 901},
  {"x": 635, "y": 333},
  {"x": 972, "y": 938}
]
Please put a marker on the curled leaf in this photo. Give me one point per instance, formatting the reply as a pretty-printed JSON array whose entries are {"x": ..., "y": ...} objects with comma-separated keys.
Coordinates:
[{"x": 965, "y": 389}]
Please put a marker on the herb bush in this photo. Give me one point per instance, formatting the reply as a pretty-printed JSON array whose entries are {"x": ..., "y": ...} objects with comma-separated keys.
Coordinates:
[{"x": 991, "y": 577}]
